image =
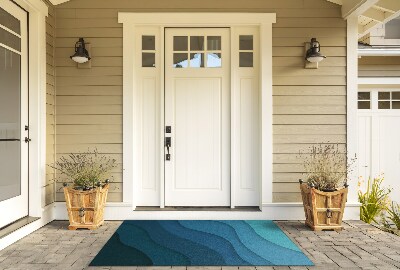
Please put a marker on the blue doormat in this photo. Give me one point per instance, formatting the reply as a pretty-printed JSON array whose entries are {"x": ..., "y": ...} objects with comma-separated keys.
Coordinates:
[{"x": 199, "y": 243}]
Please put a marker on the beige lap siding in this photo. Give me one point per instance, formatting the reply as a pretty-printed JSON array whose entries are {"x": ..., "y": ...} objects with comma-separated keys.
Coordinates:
[
  {"x": 309, "y": 104},
  {"x": 379, "y": 66},
  {"x": 49, "y": 187}
]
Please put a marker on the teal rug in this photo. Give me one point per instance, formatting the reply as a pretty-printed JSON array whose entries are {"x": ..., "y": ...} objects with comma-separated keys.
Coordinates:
[{"x": 199, "y": 243}]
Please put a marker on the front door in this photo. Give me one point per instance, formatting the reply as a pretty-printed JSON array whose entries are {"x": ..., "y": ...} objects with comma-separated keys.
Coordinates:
[
  {"x": 13, "y": 113},
  {"x": 197, "y": 117}
]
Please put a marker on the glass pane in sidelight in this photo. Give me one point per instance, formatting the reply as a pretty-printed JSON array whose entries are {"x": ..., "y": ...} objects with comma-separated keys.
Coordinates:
[
  {"x": 180, "y": 60},
  {"x": 10, "y": 124},
  {"x": 180, "y": 43},
  {"x": 364, "y": 95},
  {"x": 148, "y": 43},
  {"x": 214, "y": 43},
  {"x": 197, "y": 60},
  {"x": 245, "y": 59},
  {"x": 197, "y": 43},
  {"x": 10, "y": 40},
  {"x": 214, "y": 60},
  {"x": 245, "y": 42},
  {"x": 384, "y": 95},
  {"x": 148, "y": 59}
]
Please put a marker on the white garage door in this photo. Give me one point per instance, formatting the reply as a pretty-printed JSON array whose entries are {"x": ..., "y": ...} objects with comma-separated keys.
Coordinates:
[{"x": 379, "y": 136}]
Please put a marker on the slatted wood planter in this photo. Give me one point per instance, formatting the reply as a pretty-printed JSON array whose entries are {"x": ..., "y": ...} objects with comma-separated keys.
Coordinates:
[
  {"x": 86, "y": 208},
  {"x": 323, "y": 210}
]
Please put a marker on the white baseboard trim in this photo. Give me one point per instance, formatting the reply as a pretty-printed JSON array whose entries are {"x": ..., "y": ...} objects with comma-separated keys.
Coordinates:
[
  {"x": 270, "y": 211},
  {"x": 47, "y": 216}
]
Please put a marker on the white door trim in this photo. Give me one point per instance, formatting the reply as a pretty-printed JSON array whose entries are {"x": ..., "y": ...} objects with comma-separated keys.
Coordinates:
[{"x": 131, "y": 146}]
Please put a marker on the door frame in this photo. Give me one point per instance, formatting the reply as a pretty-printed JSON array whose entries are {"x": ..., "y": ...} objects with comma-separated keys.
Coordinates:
[
  {"x": 37, "y": 12},
  {"x": 131, "y": 117}
]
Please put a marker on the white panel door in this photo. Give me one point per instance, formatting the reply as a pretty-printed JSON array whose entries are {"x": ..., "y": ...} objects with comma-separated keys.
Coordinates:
[
  {"x": 13, "y": 113},
  {"x": 197, "y": 108}
]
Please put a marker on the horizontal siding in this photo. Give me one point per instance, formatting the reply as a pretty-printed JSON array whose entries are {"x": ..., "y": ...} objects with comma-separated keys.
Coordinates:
[
  {"x": 309, "y": 104},
  {"x": 379, "y": 66}
]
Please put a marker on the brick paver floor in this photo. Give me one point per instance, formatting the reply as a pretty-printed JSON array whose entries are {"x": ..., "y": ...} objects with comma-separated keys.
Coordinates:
[{"x": 358, "y": 246}]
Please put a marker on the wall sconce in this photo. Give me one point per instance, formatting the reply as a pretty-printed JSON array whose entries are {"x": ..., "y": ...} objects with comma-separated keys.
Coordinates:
[
  {"x": 313, "y": 55},
  {"x": 81, "y": 54}
]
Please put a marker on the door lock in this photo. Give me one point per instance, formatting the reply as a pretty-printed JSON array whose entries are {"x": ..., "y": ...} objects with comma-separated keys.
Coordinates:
[{"x": 168, "y": 145}]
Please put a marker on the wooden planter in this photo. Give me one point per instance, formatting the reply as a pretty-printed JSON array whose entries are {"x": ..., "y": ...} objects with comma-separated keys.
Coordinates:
[
  {"x": 323, "y": 210},
  {"x": 86, "y": 208}
]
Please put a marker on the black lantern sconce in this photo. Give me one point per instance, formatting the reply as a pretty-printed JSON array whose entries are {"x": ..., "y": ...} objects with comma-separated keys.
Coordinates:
[
  {"x": 81, "y": 54},
  {"x": 313, "y": 54}
]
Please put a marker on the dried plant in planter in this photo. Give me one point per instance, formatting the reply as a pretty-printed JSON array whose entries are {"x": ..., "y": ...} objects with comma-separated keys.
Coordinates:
[
  {"x": 325, "y": 167},
  {"x": 86, "y": 169}
]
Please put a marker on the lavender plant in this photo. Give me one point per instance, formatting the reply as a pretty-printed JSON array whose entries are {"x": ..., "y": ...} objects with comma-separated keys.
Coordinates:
[
  {"x": 326, "y": 167},
  {"x": 85, "y": 169}
]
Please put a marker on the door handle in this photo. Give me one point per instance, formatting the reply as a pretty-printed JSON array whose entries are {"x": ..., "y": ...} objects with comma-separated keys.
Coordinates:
[
  {"x": 27, "y": 139},
  {"x": 168, "y": 145}
]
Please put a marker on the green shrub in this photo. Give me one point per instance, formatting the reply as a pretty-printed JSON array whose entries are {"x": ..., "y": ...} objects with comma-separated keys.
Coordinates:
[
  {"x": 393, "y": 214},
  {"x": 374, "y": 200}
]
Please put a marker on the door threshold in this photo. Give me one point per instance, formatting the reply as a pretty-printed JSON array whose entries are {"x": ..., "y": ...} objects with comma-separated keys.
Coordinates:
[
  {"x": 205, "y": 208},
  {"x": 9, "y": 229}
]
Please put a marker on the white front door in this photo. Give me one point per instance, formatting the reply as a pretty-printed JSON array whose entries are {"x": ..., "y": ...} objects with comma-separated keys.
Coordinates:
[
  {"x": 13, "y": 113},
  {"x": 379, "y": 133},
  {"x": 197, "y": 110}
]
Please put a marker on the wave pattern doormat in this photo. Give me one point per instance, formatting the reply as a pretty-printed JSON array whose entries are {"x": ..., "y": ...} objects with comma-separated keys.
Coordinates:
[{"x": 199, "y": 243}]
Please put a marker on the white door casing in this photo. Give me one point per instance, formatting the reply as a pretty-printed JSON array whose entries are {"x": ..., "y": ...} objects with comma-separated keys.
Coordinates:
[
  {"x": 197, "y": 107},
  {"x": 16, "y": 207}
]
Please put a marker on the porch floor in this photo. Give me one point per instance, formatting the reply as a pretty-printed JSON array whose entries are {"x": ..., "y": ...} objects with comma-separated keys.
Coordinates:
[{"x": 358, "y": 246}]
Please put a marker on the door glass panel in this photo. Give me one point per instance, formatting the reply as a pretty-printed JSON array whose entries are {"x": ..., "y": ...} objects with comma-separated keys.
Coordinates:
[
  {"x": 196, "y": 43},
  {"x": 180, "y": 60},
  {"x": 10, "y": 40},
  {"x": 364, "y": 95},
  {"x": 396, "y": 95},
  {"x": 10, "y": 123},
  {"x": 384, "y": 95},
  {"x": 9, "y": 21},
  {"x": 180, "y": 43},
  {"x": 197, "y": 60},
  {"x": 396, "y": 105},
  {"x": 364, "y": 105},
  {"x": 214, "y": 60},
  {"x": 383, "y": 105},
  {"x": 214, "y": 43}
]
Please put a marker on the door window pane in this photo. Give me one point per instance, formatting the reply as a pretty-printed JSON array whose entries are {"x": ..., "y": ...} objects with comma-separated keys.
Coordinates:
[
  {"x": 10, "y": 123},
  {"x": 214, "y": 43},
  {"x": 196, "y": 43},
  {"x": 214, "y": 60},
  {"x": 384, "y": 95},
  {"x": 197, "y": 60},
  {"x": 396, "y": 105},
  {"x": 10, "y": 40},
  {"x": 364, "y": 95},
  {"x": 10, "y": 21},
  {"x": 396, "y": 95},
  {"x": 246, "y": 42},
  {"x": 180, "y": 43},
  {"x": 364, "y": 105},
  {"x": 180, "y": 60},
  {"x": 383, "y": 105},
  {"x": 148, "y": 43}
]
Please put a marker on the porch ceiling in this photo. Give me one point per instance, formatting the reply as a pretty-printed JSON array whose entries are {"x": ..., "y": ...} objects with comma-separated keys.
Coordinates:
[{"x": 371, "y": 13}]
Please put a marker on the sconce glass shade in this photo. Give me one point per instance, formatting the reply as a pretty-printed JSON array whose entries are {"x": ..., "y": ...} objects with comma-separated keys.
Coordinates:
[
  {"x": 313, "y": 54},
  {"x": 81, "y": 54}
]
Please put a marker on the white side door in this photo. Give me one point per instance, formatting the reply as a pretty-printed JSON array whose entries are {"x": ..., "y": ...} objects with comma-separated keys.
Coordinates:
[
  {"x": 197, "y": 108},
  {"x": 13, "y": 113}
]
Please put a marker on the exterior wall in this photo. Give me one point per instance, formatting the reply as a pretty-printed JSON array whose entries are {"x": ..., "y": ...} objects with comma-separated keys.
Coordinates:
[
  {"x": 309, "y": 104},
  {"x": 379, "y": 66},
  {"x": 49, "y": 186}
]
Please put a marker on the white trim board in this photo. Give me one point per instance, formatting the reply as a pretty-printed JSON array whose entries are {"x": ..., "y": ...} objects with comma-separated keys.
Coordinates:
[
  {"x": 270, "y": 211},
  {"x": 378, "y": 80},
  {"x": 132, "y": 125}
]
